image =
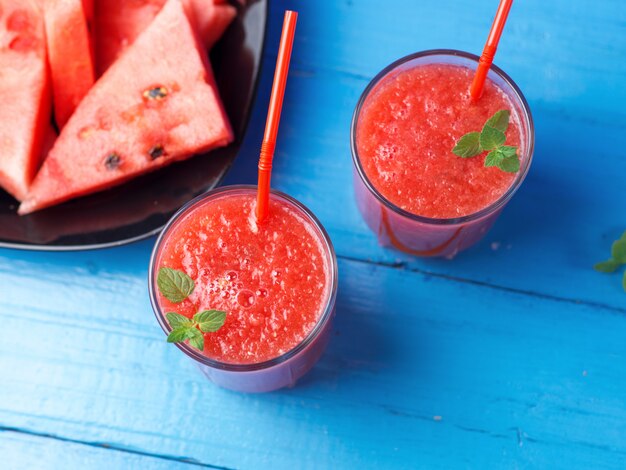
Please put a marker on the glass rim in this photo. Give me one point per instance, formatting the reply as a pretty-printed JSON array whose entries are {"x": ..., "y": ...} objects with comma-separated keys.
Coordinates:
[
  {"x": 486, "y": 211},
  {"x": 319, "y": 327}
]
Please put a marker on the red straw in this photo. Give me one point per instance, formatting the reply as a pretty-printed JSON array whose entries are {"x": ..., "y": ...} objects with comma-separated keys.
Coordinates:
[
  {"x": 486, "y": 59},
  {"x": 273, "y": 115}
]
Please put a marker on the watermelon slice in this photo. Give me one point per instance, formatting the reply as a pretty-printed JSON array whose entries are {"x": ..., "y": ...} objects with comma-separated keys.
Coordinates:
[
  {"x": 69, "y": 54},
  {"x": 24, "y": 93},
  {"x": 120, "y": 22},
  {"x": 88, "y": 8},
  {"x": 157, "y": 104},
  {"x": 49, "y": 138},
  {"x": 211, "y": 19}
]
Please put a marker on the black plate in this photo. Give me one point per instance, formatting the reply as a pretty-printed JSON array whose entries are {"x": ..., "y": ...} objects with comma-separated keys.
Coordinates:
[{"x": 140, "y": 208}]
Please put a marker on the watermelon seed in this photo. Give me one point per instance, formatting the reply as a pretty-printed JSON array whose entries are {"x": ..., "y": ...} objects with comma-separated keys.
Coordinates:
[
  {"x": 156, "y": 152},
  {"x": 112, "y": 161},
  {"x": 156, "y": 93}
]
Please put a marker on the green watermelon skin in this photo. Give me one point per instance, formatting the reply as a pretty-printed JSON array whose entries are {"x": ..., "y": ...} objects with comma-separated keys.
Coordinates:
[
  {"x": 123, "y": 128},
  {"x": 24, "y": 93},
  {"x": 69, "y": 54}
]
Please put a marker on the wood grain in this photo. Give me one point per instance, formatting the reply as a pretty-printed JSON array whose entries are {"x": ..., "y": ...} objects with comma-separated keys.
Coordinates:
[
  {"x": 512, "y": 355},
  {"x": 569, "y": 209},
  {"x": 23, "y": 450},
  {"x": 418, "y": 362}
]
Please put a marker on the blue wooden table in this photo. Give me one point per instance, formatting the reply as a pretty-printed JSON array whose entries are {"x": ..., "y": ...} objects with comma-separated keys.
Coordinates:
[{"x": 512, "y": 355}]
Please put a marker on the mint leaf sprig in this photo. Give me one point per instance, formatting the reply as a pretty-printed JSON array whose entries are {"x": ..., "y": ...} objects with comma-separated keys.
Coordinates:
[
  {"x": 183, "y": 328},
  {"x": 491, "y": 138},
  {"x": 176, "y": 286},
  {"x": 617, "y": 259}
]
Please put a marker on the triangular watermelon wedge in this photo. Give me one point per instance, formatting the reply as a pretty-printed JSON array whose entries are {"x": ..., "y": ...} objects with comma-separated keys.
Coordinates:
[
  {"x": 120, "y": 22},
  {"x": 70, "y": 55},
  {"x": 49, "y": 138},
  {"x": 211, "y": 19},
  {"x": 24, "y": 93},
  {"x": 156, "y": 105},
  {"x": 88, "y": 8}
]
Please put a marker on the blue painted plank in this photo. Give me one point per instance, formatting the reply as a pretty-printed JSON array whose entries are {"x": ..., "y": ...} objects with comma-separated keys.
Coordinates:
[
  {"x": 420, "y": 371},
  {"x": 568, "y": 55},
  {"x": 570, "y": 208},
  {"x": 20, "y": 450},
  {"x": 512, "y": 355}
]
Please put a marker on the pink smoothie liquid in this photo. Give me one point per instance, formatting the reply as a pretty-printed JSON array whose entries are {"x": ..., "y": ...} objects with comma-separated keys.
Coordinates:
[
  {"x": 407, "y": 129},
  {"x": 272, "y": 279},
  {"x": 412, "y": 190}
]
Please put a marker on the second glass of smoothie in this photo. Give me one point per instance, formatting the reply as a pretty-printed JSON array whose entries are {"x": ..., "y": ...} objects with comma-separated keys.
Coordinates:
[
  {"x": 412, "y": 190},
  {"x": 276, "y": 281}
]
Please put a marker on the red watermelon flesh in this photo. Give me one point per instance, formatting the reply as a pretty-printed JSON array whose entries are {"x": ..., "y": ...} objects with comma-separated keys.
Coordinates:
[
  {"x": 24, "y": 93},
  {"x": 118, "y": 24},
  {"x": 69, "y": 55},
  {"x": 49, "y": 138},
  {"x": 88, "y": 7},
  {"x": 211, "y": 19},
  {"x": 157, "y": 104}
]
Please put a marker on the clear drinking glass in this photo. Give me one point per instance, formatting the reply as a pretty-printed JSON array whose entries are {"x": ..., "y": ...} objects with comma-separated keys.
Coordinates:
[
  {"x": 424, "y": 236},
  {"x": 284, "y": 370}
]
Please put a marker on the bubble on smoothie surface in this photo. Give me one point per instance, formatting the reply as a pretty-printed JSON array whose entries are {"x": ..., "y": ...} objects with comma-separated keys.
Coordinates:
[
  {"x": 407, "y": 128},
  {"x": 272, "y": 279}
]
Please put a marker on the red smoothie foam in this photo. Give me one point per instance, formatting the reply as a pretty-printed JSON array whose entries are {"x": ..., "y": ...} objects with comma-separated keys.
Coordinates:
[
  {"x": 407, "y": 128},
  {"x": 272, "y": 279}
]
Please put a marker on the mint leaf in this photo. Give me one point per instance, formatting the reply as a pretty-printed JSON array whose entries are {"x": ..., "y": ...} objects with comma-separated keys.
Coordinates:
[
  {"x": 175, "y": 285},
  {"x": 494, "y": 158},
  {"x": 500, "y": 120},
  {"x": 184, "y": 328},
  {"x": 509, "y": 164},
  {"x": 508, "y": 150},
  {"x": 210, "y": 321},
  {"x": 490, "y": 138},
  {"x": 608, "y": 266},
  {"x": 196, "y": 339},
  {"x": 177, "y": 320},
  {"x": 180, "y": 334},
  {"x": 468, "y": 145},
  {"x": 618, "y": 249}
]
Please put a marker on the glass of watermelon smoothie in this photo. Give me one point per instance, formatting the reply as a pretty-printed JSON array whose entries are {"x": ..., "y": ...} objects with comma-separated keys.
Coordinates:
[
  {"x": 412, "y": 191},
  {"x": 276, "y": 281}
]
